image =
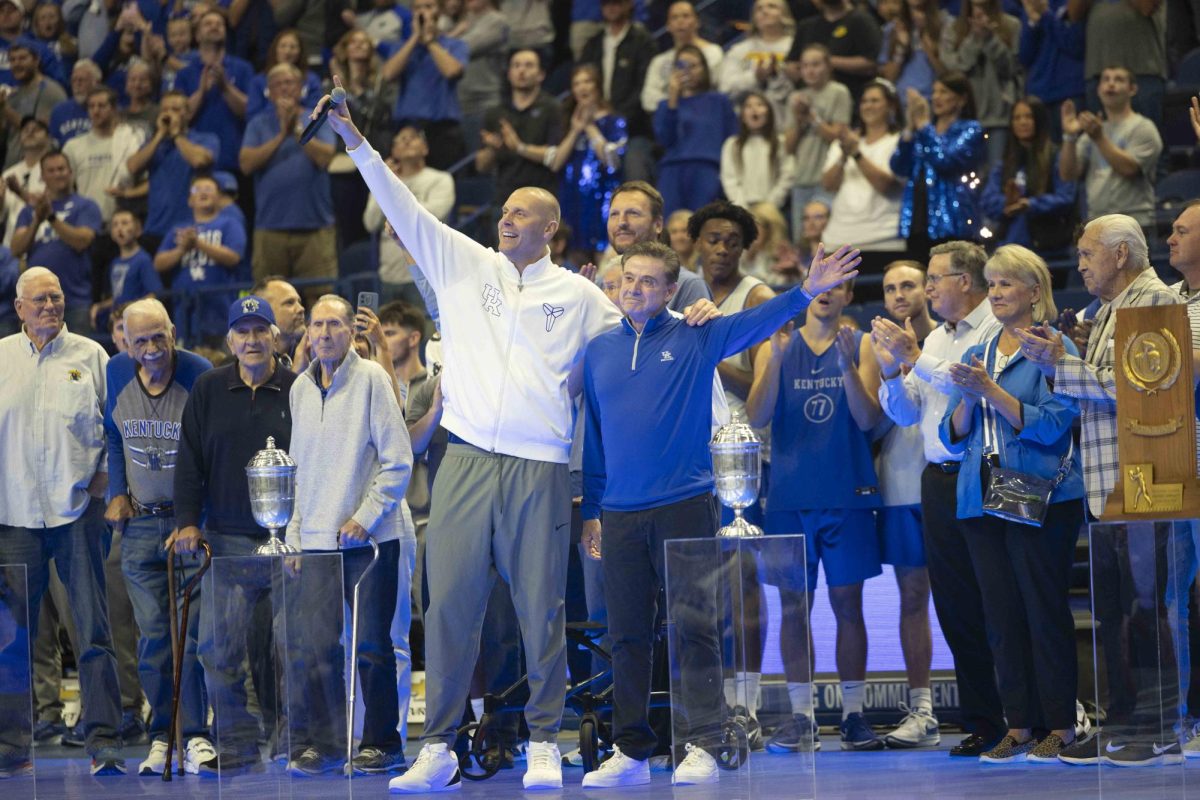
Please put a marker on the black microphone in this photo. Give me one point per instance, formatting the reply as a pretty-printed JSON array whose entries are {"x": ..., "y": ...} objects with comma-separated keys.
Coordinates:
[{"x": 336, "y": 98}]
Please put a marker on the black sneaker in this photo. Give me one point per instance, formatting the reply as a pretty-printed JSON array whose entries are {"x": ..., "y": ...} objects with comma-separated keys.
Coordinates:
[
  {"x": 132, "y": 730},
  {"x": 857, "y": 734},
  {"x": 107, "y": 761},
  {"x": 1142, "y": 754},
  {"x": 14, "y": 762},
  {"x": 312, "y": 762},
  {"x": 372, "y": 760},
  {"x": 750, "y": 725},
  {"x": 48, "y": 734},
  {"x": 230, "y": 763},
  {"x": 972, "y": 747},
  {"x": 75, "y": 737},
  {"x": 1085, "y": 752},
  {"x": 798, "y": 735}
]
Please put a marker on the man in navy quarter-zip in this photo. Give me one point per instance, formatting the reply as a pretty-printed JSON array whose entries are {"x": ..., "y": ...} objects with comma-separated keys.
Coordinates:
[
  {"x": 514, "y": 327},
  {"x": 654, "y": 482}
]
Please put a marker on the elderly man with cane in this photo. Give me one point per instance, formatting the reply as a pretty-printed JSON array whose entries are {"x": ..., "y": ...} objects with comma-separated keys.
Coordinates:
[
  {"x": 148, "y": 388},
  {"x": 353, "y": 462}
]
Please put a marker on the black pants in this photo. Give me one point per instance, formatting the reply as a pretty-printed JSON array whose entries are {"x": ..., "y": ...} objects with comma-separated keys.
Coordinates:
[
  {"x": 1024, "y": 576},
  {"x": 959, "y": 606},
  {"x": 1129, "y": 582},
  {"x": 634, "y": 571}
]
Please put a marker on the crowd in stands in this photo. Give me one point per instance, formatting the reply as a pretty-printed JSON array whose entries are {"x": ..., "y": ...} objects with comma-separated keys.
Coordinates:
[{"x": 909, "y": 123}]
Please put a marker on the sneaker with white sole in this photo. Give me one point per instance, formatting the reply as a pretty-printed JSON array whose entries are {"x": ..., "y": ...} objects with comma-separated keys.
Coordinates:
[
  {"x": 156, "y": 761},
  {"x": 435, "y": 770},
  {"x": 545, "y": 766},
  {"x": 618, "y": 770},
  {"x": 697, "y": 767},
  {"x": 107, "y": 761},
  {"x": 798, "y": 735},
  {"x": 1142, "y": 754},
  {"x": 919, "y": 728},
  {"x": 1191, "y": 747},
  {"x": 199, "y": 751}
]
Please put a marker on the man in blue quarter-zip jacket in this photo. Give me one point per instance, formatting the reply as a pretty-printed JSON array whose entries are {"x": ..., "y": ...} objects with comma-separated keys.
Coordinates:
[{"x": 648, "y": 392}]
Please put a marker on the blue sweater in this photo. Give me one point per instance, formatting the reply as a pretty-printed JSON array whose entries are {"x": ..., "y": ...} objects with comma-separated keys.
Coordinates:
[
  {"x": 1052, "y": 54},
  {"x": 696, "y": 130},
  {"x": 649, "y": 404}
]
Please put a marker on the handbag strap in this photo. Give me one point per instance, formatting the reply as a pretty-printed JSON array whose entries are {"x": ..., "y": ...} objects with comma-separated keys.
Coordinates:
[{"x": 993, "y": 429}]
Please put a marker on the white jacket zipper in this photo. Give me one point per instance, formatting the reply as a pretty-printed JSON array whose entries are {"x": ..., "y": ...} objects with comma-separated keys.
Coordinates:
[{"x": 512, "y": 336}]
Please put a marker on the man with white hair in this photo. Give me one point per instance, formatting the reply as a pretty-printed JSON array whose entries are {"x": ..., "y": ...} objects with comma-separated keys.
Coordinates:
[
  {"x": 230, "y": 413},
  {"x": 70, "y": 117},
  {"x": 1115, "y": 267},
  {"x": 353, "y": 462},
  {"x": 51, "y": 422},
  {"x": 147, "y": 389}
]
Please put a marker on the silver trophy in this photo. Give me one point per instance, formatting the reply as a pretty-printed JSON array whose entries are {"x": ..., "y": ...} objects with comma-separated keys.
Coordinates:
[
  {"x": 737, "y": 467},
  {"x": 272, "y": 477}
]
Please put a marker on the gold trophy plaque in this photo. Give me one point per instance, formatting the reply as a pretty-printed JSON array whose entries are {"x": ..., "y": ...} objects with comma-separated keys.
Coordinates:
[{"x": 1156, "y": 417}]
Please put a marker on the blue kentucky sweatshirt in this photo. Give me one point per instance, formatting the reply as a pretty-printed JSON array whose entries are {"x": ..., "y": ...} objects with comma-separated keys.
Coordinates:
[{"x": 648, "y": 401}]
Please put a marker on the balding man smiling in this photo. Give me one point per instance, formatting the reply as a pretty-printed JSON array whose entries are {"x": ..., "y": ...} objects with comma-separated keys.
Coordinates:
[{"x": 514, "y": 327}]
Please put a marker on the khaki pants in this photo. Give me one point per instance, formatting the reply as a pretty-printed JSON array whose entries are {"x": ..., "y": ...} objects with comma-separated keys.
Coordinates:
[{"x": 296, "y": 254}]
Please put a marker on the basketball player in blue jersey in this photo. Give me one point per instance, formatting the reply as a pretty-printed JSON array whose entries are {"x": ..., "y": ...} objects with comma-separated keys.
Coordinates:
[{"x": 817, "y": 387}]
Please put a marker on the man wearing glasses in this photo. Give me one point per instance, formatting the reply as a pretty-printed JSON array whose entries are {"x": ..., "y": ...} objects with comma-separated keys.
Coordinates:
[
  {"x": 913, "y": 391},
  {"x": 51, "y": 505}
]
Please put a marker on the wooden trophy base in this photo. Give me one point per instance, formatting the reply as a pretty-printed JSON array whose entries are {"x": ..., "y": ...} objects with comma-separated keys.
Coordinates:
[{"x": 1137, "y": 497}]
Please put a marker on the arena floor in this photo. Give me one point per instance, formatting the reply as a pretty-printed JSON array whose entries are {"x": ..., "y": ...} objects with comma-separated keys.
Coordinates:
[{"x": 63, "y": 774}]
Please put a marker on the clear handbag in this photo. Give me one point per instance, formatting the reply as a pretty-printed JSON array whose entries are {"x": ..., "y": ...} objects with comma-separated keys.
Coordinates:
[{"x": 1010, "y": 494}]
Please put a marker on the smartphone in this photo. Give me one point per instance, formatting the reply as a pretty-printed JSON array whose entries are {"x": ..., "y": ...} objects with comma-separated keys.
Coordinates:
[{"x": 369, "y": 300}]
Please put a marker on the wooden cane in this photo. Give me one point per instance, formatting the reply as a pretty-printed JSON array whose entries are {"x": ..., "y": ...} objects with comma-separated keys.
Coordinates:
[{"x": 179, "y": 628}]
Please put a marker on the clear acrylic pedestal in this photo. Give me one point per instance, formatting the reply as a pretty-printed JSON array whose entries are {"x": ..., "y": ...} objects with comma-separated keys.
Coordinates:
[
  {"x": 1140, "y": 576},
  {"x": 17, "y": 774},
  {"x": 305, "y": 707},
  {"x": 715, "y": 626}
]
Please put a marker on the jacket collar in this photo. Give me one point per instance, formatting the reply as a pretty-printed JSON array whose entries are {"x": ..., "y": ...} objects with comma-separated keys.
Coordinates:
[
  {"x": 533, "y": 272},
  {"x": 274, "y": 382},
  {"x": 654, "y": 323},
  {"x": 340, "y": 375}
]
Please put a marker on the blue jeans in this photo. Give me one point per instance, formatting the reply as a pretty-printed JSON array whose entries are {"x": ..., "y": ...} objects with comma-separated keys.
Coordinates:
[
  {"x": 323, "y": 656},
  {"x": 144, "y": 564},
  {"x": 401, "y": 623},
  {"x": 78, "y": 549},
  {"x": 1185, "y": 547}
]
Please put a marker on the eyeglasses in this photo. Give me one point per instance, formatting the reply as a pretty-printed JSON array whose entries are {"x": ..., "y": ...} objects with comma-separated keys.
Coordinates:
[
  {"x": 45, "y": 299},
  {"x": 930, "y": 280}
]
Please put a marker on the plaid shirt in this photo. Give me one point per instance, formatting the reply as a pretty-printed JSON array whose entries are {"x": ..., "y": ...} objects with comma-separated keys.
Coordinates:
[{"x": 1092, "y": 381}]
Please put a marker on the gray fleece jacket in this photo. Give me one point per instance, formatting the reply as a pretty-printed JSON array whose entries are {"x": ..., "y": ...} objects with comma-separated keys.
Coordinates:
[{"x": 352, "y": 452}]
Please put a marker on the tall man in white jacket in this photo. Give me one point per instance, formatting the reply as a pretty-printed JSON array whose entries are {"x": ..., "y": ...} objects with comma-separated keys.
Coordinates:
[{"x": 514, "y": 328}]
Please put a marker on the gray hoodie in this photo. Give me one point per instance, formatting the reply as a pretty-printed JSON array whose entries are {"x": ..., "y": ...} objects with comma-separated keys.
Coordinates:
[{"x": 352, "y": 452}]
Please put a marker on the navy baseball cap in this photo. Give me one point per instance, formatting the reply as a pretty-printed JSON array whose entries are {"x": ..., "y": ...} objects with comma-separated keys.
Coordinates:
[
  {"x": 250, "y": 307},
  {"x": 225, "y": 181}
]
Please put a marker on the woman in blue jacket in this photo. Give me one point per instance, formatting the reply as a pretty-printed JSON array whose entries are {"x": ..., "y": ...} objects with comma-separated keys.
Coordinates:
[
  {"x": 691, "y": 124},
  {"x": 1025, "y": 200},
  {"x": 1003, "y": 414},
  {"x": 940, "y": 152}
]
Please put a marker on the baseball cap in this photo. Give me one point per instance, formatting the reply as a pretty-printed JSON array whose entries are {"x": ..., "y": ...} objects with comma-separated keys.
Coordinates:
[
  {"x": 16, "y": 3},
  {"x": 24, "y": 42},
  {"x": 225, "y": 181},
  {"x": 250, "y": 307}
]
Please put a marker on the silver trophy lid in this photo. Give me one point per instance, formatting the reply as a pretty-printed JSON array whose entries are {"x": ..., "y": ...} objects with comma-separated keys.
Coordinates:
[
  {"x": 271, "y": 457},
  {"x": 736, "y": 432}
]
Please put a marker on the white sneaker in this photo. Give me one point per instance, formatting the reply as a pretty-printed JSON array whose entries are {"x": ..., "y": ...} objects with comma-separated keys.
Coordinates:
[
  {"x": 545, "y": 766},
  {"x": 697, "y": 767},
  {"x": 199, "y": 751},
  {"x": 156, "y": 761},
  {"x": 1083, "y": 725},
  {"x": 619, "y": 770},
  {"x": 1191, "y": 745},
  {"x": 435, "y": 770},
  {"x": 919, "y": 728}
]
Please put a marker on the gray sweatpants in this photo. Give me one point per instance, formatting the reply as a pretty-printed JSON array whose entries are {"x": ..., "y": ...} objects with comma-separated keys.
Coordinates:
[{"x": 496, "y": 515}]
